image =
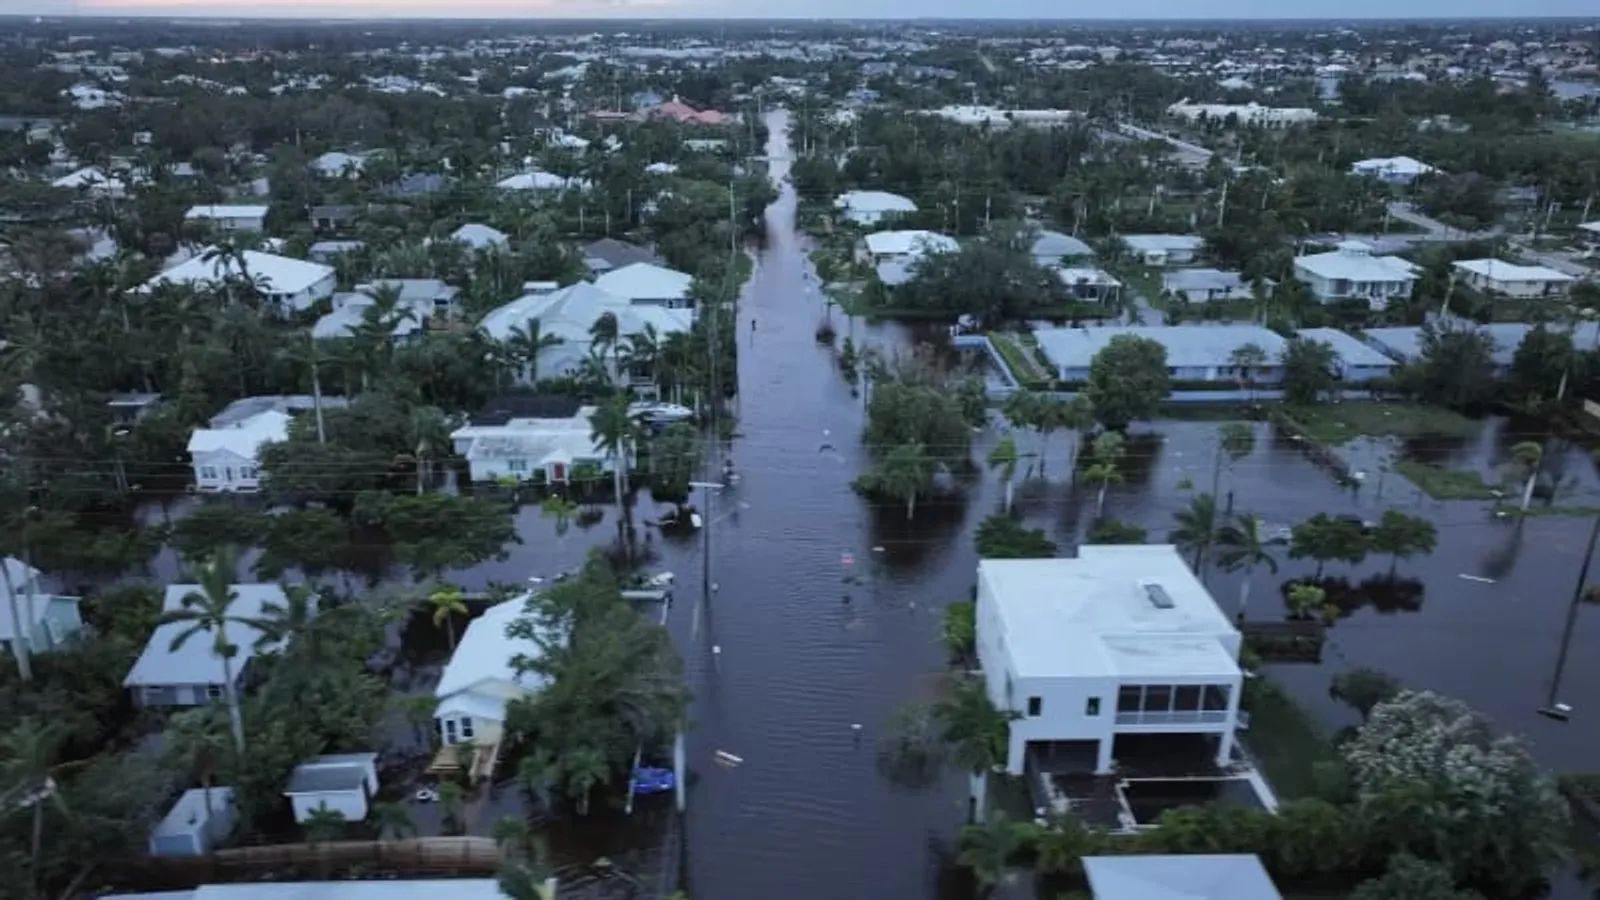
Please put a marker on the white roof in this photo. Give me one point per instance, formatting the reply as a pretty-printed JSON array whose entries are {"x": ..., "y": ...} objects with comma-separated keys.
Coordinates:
[
  {"x": 1591, "y": 227},
  {"x": 1187, "y": 345},
  {"x": 1149, "y": 243},
  {"x": 280, "y": 274},
  {"x": 194, "y": 663},
  {"x": 1353, "y": 261},
  {"x": 1238, "y": 876},
  {"x": 1392, "y": 165},
  {"x": 1087, "y": 276},
  {"x": 485, "y": 653},
  {"x": 896, "y": 243},
  {"x": 646, "y": 281},
  {"x": 188, "y": 814},
  {"x": 570, "y": 312},
  {"x": 454, "y": 888},
  {"x": 874, "y": 201},
  {"x": 479, "y": 236},
  {"x": 87, "y": 177},
  {"x": 226, "y": 212},
  {"x": 1094, "y": 616},
  {"x": 540, "y": 181},
  {"x": 1352, "y": 352},
  {"x": 1500, "y": 270},
  {"x": 243, "y": 438},
  {"x": 20, "y": 574}
]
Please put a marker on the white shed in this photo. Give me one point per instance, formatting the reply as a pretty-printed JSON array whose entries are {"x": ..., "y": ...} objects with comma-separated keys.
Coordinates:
[
  {"x": 341, "y": 783},
  {"x": 193, "y": 827}
]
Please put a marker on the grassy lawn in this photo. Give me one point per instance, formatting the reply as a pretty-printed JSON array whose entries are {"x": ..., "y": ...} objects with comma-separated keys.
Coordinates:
[
  {"x": 1016, "y": 357},
  {"x": 1336, "y": 423},
  {"x": 1142, "y": 280},
  {"x": 1285, "y": 741},
  {"x": 1445, "y": 484}
]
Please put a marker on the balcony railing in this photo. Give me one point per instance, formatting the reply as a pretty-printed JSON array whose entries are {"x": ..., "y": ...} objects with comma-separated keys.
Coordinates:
[{"x": 1197, "y": 717}]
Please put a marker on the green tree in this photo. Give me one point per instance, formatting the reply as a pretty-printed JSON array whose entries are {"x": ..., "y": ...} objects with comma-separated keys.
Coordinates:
[
  {"x": 1542, "y": 361},
  {"x": 1526, "y": 459},
  {"x": 446, "y": 603},
  {"x": 1363, "y": 689},
  {"x": 1409, "y": 878},
  {"x": 905, "y": 474},
  {"x": 585, "y": 768},
  {"x": 209, "y": 611},
  {"x": 1002, "y": 537},
  {"x": 991, "y": 848},
  {"x": 323, "y": 825},
  {"x": 1113, "y": 531},
  {"x": 1403, "y": 536},
  {"x": 1326, "y": 539},
  {"x": 1240, "y": 545},
  {"x": 976, "y": 732},
  {"x": 1195, "y": 530},
  {"x": 30, "y": 753},
  {"x": 613, "y": 431},
  {"x": 959, "y": 631},
  {"x": 1454, "y": 367},
  {"x": 434, "y": 533},
  {"x": 1105, "y": 454},
  {"x": 1310, "y": 371},
  {"x": 675, "y": 456},
  {"x": 1128, "y": 381},
  {"x": 1004, "y": 458}
]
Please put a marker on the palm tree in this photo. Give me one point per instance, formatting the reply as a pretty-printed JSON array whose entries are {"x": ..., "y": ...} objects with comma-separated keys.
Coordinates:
[
  {"x": 1196, "y": 530},
  {"x": 323, "y": 825},
  {"x": 209, "y": 610},
  {"x": 977, "y": 733},
  {"x": 603, "y": 339},
  {"x": 1004, "y": 457},
  {"x": 585, "y": 769},
  {"x": 640, "y": 353},
  {"x": 1526, "y": 457},
  {"x": 1240, "y": 546},
  {"x": 447, "y": 602},
  {"x": 29, "y": 752},
  {"x": 1105, "y": 452},
  {"x": 199, "y": 739},
  {"x": 292, "y": 621},
  {"x": 990, "y": 848},
  {"x": 510, "y": 832},
  {"x": 905, "y": 474},
  {"x": 527, "y": 343},
  {"x": 393, "y": 820},
  {"x": 612, "y": 429}
]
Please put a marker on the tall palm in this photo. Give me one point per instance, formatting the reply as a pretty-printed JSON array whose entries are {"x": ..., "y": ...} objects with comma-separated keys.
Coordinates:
[
  {"x": 1195, "y": 530},
  {"x": 611, "y": 429},
  {"x": 585, "y": 769},
  {"x": 292, "y": 622},
  {"x": 604, "y": 336},
  {"x": 976, "y": 732},
  {"x": 640, "y": 352},
  {"x": 527, "y": 343},
  {"x": 676, "y": 365},
  {"x": 392, "y": 821},
  {"x": 447, "y": 602},
  {"x": 29, "y": 761},
  {"x": 1106, "y": 452},
  {"x": 989, "y": 848},
  {"x": 1004, "y": 457},
  {"x": 905, "y": 474},
  {"x": 209, "y": 610},
  {"x": 1240, "y": 546}
]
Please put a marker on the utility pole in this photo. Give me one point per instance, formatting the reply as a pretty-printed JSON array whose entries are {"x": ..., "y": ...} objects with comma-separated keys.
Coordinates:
[
  {"x": 316, "y": 393},
  {"x": 1553, "y": 708}
]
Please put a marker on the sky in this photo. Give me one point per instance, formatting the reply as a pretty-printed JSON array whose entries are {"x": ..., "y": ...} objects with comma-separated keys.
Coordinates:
[{"x": 868, "y": 9}]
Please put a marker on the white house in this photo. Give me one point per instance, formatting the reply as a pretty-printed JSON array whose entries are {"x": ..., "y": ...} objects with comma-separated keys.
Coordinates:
[
  {"x": 336, "y": 164},
  {"x": 1392, "y": 169},
  {"x": 1163, "y": 250},
  {"x": 1091, "y": 284},
  {"x": 870, "y": 208},
  {"x": 538, "y": 182},
  {"x": 1355, "y": 362},
  {"x": 191, "y": 674},
  {"x": 1122, "y": 640},
  {"x": 903, "y": 246},
  {"x": 49, "y": 618},
  {"x": 479, "y": 680},
  {"x": 292, "y": 284},
  {"x": 419, "y": 300},
  {"x": 1205, "y": 285},
  {"x": 1495, "y": 276},
  {"x": 1243, "y": 113},
  {"x": 480, "y": 237},
  {"x": 1589, "y": 235},
  {"x": 1352, "y": 272},
  {"x": 227, "y": 459},
  {"x": 648, "y": 284},
  {"x": 1194, "y": 352},
  {"x": 230, "y": 219},
  {"x": 1052, "y": 249},
  {"x": 94, "y": 182},
  {"x": 522, "y": 448},
  {"x": 195, "y": 823},
  {"x": 568, "y": 314},
  {"x": 344, "y": 783},
  {"x": 1186, "y": 876}
]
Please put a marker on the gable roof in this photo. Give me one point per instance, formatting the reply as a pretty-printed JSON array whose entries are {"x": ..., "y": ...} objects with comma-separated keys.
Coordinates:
[
  {"x": 19, "y": 574},
  {"x": 280, "y": 274},
  {"x": 194, "y": 663},
  {"x": 485, "y": 653},
  {"x": 646, "y": 281},
  {"x": 1237, "y": 876},
  {"x": 615, "y": 254},
  {"x": 243, "y": 438}
]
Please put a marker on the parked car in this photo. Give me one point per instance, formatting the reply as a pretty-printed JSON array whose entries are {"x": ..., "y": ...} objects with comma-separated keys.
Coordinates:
[{"x": 660, "y": 415}]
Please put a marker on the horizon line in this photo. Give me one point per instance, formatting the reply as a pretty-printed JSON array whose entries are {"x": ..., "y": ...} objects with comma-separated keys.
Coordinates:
[{"x": 193, "y": 16}]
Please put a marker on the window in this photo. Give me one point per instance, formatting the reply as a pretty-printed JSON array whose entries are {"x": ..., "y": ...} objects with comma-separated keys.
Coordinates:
[
  {"x": 213, "y": 692},
  {"x": 1129, "y": 698},
  {"x": 1186, "y": 698},
  {"x": 516, "y": 465},
  {"x": 1157, "y": 698},
  {"x": 466, "y": 728},
  {"x": 247, "y": 472},
  {"x": 208, "y": 472},
  {"x": 449, "y": 726},
  {"x": 1092, "y": 708},
  {"x": 1035, "y": 706},
  {"x": 1216, "y": 698}
]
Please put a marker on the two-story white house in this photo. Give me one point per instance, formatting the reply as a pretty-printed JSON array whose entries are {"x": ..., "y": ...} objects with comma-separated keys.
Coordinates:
[
  {"x": 227, "y": 459},
  {"x": 1510, "y": 280},
  {"x": 47, "y": 618},
  {"x": 1351, "y": 271},
  {"x": 1122, "y": 640},
  {"x": 230, "y": 219},
  {"x": 292, "y": 285},
  {"x": 525, "y": 448}
]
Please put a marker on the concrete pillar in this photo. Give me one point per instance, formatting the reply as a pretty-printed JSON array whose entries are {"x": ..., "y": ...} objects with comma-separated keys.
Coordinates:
[
  {"x": 1225, "y": 743},
  {"x": 978, "y": 797},
  {"x": 1104, "y": 761}
]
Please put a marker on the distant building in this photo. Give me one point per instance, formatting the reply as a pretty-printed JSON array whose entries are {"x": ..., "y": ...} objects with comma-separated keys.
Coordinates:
[
  {"x": 1194, "y": 352},
  {"x": 1163, "y": 250},
  {"x": 1500, "y": 278},
  {"x": 1392, "y": 170},
  {"x": 1242, "y": 114},
  {"x": 1352, "y": 272},
  {"x": 870, "y": 208},
  {"x": 230, "y": 219}
]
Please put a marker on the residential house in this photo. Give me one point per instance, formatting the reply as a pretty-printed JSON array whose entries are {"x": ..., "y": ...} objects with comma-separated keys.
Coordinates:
[
  {"x": 648, "y": 284},
  {"x": 480, "y": 680},
  {"x": 195, "y": 824},
  {"x": 192, "y": 673},
  {"x": 49, "y": 619},
  {"x": 130, "y": 409},
  {"x": 342, "y": 783},
  {"x": 1499, "y": 278},
  {"x": 230, "y": 219},
  {"x": 541, "y": 447},
  {"x": 333, "y": 218},
  {"x": 1242, "y": 114},
  {"x": 540, "y": 182},
  {"x": 94, "y": 182},
  {"x": 480, "y": 237},
  {"x": 1089, "y": 284},
  {"x": 1052, "y": 249},
  {"x": 1121, "y": 640},
  {"x": 1404, "y": 343},
  {"x": 1354, "y": 362},
  {"x": 684, "y": 114},
  {"x": 291, "y": 404},
  {"x": 227, "y": 460},
  {"x": 568, "y": 315},
  {"x": 419, "y": 301},
  {"x": 338, "y": 165},
  {"x": 328, "y": 252},
  {"x": 1205, "y": 285},
  {"x": 1352, "y": 272},
  {"x": 290, "y": 284},
  {"x": 1188, "y": 876},
  {"x": 1160, "y": 251},
  {"x": 872, "y": 208},
  {"x": 1194, "y": 352},
  {"x": 609, "y": 253},
  {"x": 705, "y": 145},
  {"x": 417, "y": 184},
  {"x": 1400, "y": 170}
]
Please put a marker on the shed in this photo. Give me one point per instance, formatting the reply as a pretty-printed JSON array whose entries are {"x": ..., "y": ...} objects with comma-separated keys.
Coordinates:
[
  {"x": 341, "y": 783},
  {"x": 192, "y": 827}
]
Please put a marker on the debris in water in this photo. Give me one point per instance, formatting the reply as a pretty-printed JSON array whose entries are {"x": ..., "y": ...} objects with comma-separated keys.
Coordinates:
[{"x": 728, "y": 760}]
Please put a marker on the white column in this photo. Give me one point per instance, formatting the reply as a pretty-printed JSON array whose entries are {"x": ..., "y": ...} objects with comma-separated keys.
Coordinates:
[
  {"x": 1225, "y": 744},
  {"x": 1104, "y": 761}
]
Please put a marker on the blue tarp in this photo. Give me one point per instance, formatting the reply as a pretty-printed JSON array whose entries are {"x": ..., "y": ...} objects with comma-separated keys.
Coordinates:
[{"x": 653, "y": 781}]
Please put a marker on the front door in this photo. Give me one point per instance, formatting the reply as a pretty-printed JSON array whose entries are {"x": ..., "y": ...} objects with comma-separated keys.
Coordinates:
[
  {"x": 449, "y": 731},
  {"x": 558, "y": 473}
]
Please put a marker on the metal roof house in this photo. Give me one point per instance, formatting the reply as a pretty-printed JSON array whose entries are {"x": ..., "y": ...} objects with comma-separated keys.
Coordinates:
[
  {"x": 192, "y": 674},
  {"x": 480, "y": 679},
  {"x": 1162, "y": 250},
  {"x": 1122, "y": 640},
  {"x": 1194, "y": 352},
  {"x": 343, "y": 783},
  {"x": 1352, "y": 272},
  {"x": 1233, "y": 876},
  {"x": 871, "y": 208},
  {"x": 1357, "y": 362},
  {"x": 195, "y": 823}
]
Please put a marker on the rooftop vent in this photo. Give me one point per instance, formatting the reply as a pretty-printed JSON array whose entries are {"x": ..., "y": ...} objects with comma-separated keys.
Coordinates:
[{"x": 1157, "y": 595}]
